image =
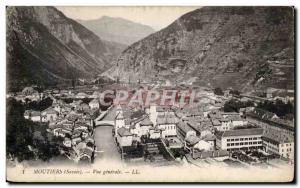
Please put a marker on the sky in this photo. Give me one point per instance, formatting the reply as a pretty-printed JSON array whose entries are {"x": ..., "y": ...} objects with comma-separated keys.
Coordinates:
[{"x": 155, "y": 17}]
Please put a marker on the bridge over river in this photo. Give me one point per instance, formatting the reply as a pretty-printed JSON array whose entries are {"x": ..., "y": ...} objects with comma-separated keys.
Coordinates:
[{"x": 106, "y": 117}]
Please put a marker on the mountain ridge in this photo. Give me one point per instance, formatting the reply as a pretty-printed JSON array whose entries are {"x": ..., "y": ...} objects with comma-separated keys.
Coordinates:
[
  {"x": 45, "y": 47},
  {"x": 241, "y": 47},
  {"x": 108, "y": 28}
]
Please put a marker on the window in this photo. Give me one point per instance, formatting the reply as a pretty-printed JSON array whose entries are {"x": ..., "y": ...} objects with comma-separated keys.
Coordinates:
[
  {"x": 232, "y": 139},
  {"x": 250, "y": 138},
  {"x": 228, "y": 144},
  {"x": 228, "y": 140},
  {"x": 242, "y": 139},
  {"x": 254, "y": 142},
  {"x": 255, "y": 138},
  {"x": 232, "y": 144},
  {"x": 236, "y": 139},
  {"x": 237, "y": 144},
  {"x": 250, "y": 143},
  {"x": 246, "y": 138},
  {"x": 241, "y": 144},
  {"x": 246, "y": 143}
]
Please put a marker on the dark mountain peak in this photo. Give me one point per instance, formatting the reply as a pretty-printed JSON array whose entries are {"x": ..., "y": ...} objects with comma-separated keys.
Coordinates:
[{"x": 46, "y": 47}]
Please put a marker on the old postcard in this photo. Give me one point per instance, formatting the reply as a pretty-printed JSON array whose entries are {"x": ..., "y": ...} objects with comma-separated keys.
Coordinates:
[{"x": 150, "y": 94}]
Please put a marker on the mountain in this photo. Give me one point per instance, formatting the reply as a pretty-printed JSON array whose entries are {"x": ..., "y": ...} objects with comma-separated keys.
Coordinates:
[
  {"x": 45, "y": 47},
  {"x": 117, "y": 29},
  {"x": 240, "y": 47}
]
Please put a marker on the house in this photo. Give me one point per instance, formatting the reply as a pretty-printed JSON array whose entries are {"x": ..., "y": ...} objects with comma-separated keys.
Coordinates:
[
  {"x": 76, "y": 141},
  {"x": 154, "y": 133},
  {"x": 168, "y": 125},
  {"x": 140, "y": 127},
  {"x": 211, "y": 139},
  {"x": 184, "y": 130},
  {"x": 203, "y": 146},
  {"x": 145, "y": 126},
  {"x": 49, "y": 115},
  {"x": 94, "y": 104},
  {"x": 227, "y": 120},
  {"x": 32, "y": 115},
  {"x": 124, "y": 137},
  {"x": 277, "y": 143},
  {"x": 67, "y": 142},
  {"x": 83, "y": 107},
  {"x": 191, "y": 141},
  {"x": 239, "y": 139},
  {"x": 201, "y": 126}
]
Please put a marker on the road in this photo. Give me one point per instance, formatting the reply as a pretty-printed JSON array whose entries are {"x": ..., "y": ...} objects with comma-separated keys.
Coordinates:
[{"x": 106, "y": 144}]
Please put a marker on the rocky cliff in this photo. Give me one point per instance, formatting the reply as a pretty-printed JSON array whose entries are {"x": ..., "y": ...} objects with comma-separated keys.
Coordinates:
[
  {"x": 45, "y": 47},
  {"x": 239, "y": 47}
]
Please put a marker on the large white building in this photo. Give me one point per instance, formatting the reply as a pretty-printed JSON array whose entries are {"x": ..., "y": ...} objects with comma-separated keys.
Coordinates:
[
  {"x": 168, "y": 125},
  {"x": 239, "y": 139},
  {"x": 275, "y": 142}
]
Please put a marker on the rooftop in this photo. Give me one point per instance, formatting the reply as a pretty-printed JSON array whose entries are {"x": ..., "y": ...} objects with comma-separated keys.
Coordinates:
[
  {"x": 240, "y": 132},
  {"x": 124, "y": 132}
]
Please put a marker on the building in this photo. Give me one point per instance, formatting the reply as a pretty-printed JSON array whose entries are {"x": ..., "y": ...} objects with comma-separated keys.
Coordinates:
[
  {"x": 32, "y": 115},
  {"x": 227, "y": 120},
  {"x": 239, "y": 139},
  {"x": 124, "y": 137},
  {"x": 154, "y": 133},
  {"x": 94, "y": 104},
  {"x": 167, "y": 124},
  {"x": 145, "y": 126},
  {"x": 202, "y": 126},
  {"x": 211, "y": 139},
  {"x": 49, "y": 115},
  {"x": 203, "y": 146},
  {"x": 184, "y": 130},
  {"x": 277, "y": 143},
  {"x": 269, "y": 121}
]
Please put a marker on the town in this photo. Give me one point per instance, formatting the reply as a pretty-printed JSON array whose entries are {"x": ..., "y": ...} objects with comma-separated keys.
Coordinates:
[{"x": 219, "y": 127}]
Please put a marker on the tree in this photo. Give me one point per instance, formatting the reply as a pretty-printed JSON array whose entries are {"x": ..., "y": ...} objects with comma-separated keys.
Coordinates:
[
  {"x": 278, "y": 107},
  {"x": 218, "y": 91},
  {"x": 18, "y": 132},
  {"x": 234, "y": 105},
  {"x": 20, "y": 141},
  {"x": 234, "y": 92}
]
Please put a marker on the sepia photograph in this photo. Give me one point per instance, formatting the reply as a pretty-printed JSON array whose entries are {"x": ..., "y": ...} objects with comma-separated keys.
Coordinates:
[{"x": 150, "y": 94}]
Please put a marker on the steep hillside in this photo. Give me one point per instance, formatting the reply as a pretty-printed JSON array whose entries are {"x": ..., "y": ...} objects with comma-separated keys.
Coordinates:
[
  {"x": 239, "y": 47},
  {"x": 117, "y": 29},
  {"x": 45, "y": 47}
]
